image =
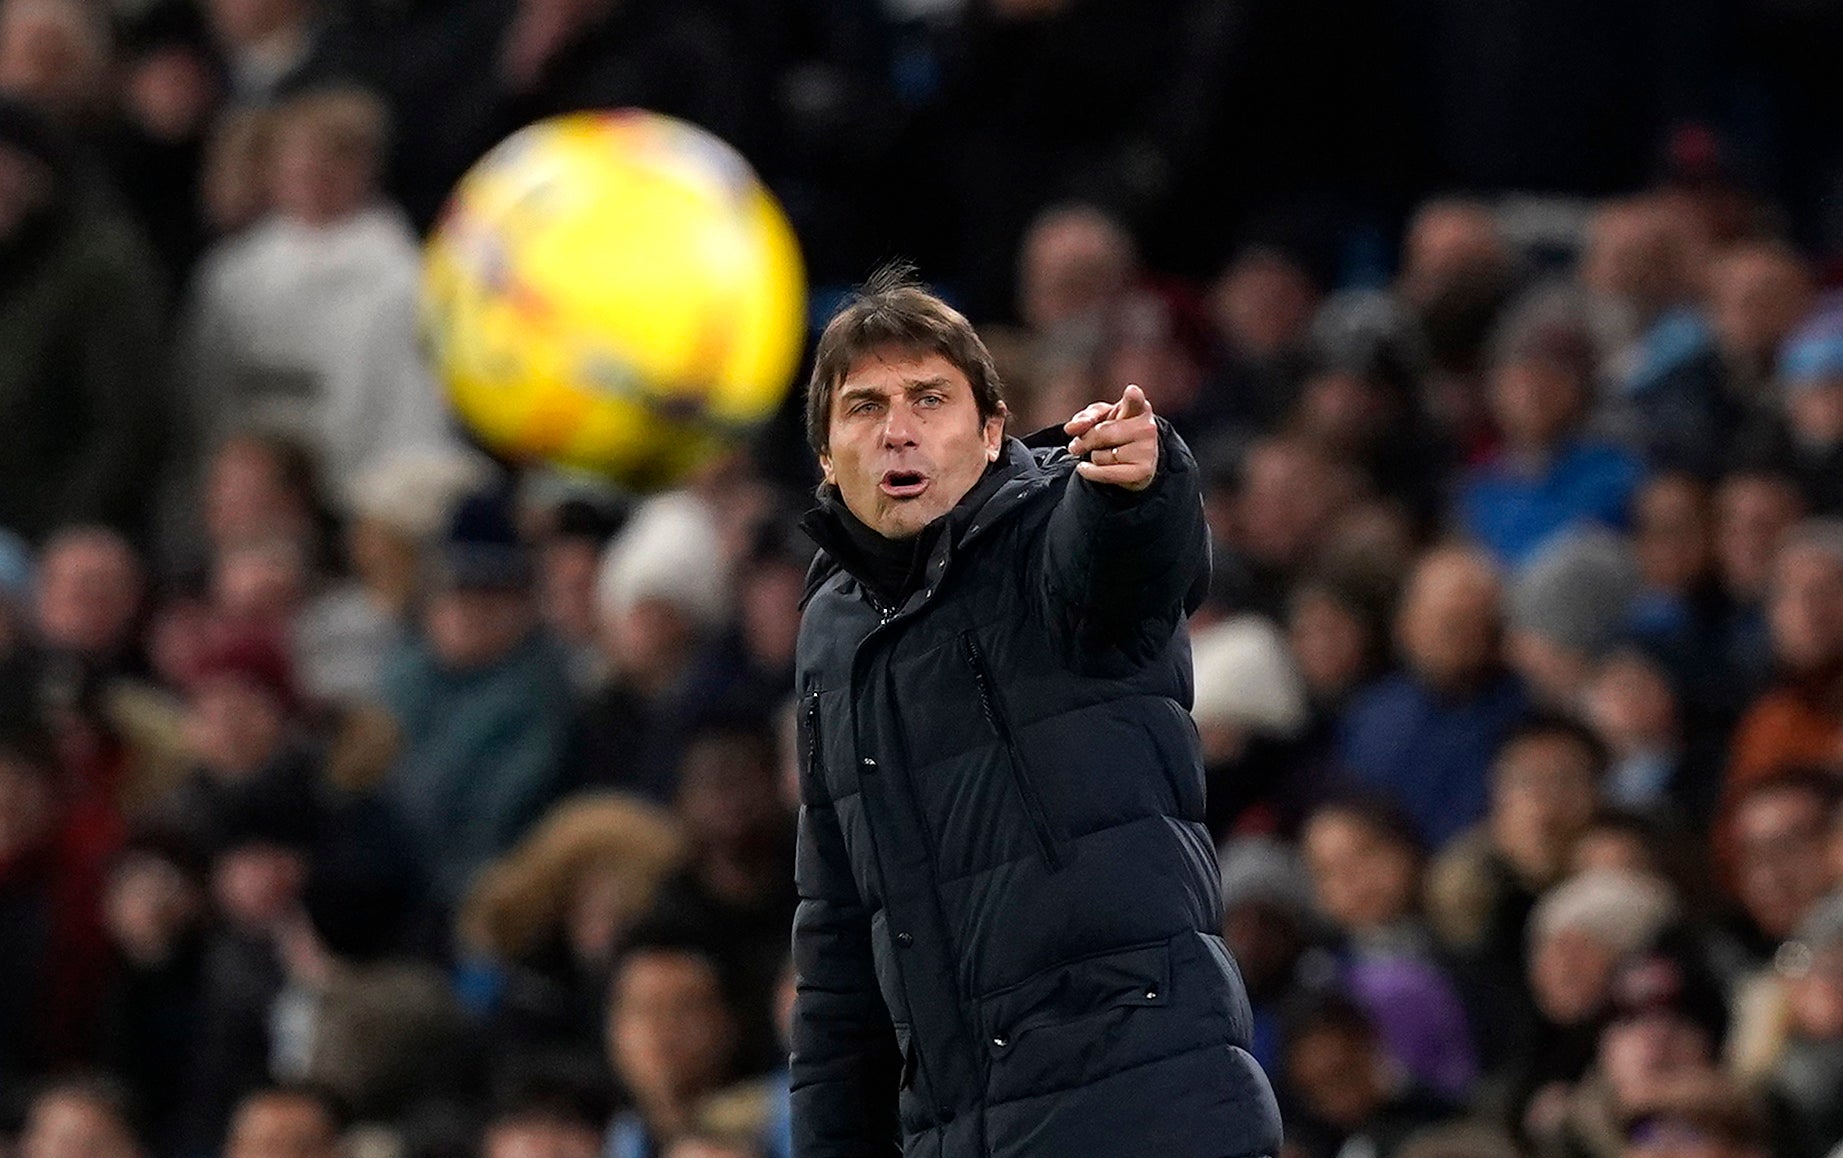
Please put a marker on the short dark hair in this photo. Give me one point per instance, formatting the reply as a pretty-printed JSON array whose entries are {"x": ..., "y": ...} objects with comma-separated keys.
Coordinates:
[
  {"x": 1546, "y": 725},
  {"x": 894, "y": 311},
  {"x": 1383, "y": 816}
]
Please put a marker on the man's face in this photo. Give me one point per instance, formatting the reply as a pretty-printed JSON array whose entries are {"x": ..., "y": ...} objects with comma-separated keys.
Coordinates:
[
  {"x": 905, "y": 441},
  {"x": 1783, "y": 863},
  {"x": 472, "y": 628},
  {"x": 1542, "y": 797},
  {"x": 670, "y": 1034},
  {"x": 1448, "y": 625},
  {"x": 1805, "y": 609},
  {"x": 89, "y": 589},
  {"x": 281, "y": 1127}
]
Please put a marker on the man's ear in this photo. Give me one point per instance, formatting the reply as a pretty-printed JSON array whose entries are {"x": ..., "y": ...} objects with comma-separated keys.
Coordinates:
[
  {"x": 825, "y": 468},
  {"x": 995, "y": 432}
]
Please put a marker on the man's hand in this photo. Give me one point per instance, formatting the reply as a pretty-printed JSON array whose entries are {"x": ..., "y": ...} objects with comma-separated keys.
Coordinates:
[{"x": 1118, "y": 439}]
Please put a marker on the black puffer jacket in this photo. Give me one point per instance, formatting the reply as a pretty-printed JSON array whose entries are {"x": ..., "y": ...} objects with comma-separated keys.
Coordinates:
[{"x": 1009, "y": 903}]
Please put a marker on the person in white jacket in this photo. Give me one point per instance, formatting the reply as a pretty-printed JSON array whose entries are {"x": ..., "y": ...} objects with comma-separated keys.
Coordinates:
[{"x": 305, "y": 324}]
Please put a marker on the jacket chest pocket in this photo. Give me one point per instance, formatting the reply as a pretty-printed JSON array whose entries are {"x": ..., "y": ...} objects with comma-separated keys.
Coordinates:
[{"x": 823, "y": 744}]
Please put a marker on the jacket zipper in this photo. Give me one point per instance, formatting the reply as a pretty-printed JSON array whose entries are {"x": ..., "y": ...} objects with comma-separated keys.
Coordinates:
[
  {"x": 813, "y": 767},
  {"x": 994, "y": 711}
]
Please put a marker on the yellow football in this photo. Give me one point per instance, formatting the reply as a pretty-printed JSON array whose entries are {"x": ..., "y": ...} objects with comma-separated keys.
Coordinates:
[{"x": 614, "y": 291}]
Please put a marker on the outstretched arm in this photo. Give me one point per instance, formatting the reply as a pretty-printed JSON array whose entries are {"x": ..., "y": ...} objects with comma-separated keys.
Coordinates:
[{"x": 1128, "y": 542}]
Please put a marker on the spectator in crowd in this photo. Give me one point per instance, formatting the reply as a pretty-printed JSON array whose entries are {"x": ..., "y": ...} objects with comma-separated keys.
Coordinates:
[
  {"x": 1544, "y": 789},
  {"x": 258, "y": 873},
  {"x": 1707, "y": 1114},
  {"x": 1797, "y": 722},
  {"x": 738, "y": 886},
  {"x": 155, "y": 910},
  {"x": 1635, "y": 712},
  {"x": 306, "y": 323},
  {"x": 80, "y": 316},
  {"x": 482, "y": 700},
  {"x": 1458, "y": 271},
  {"x": 1547, "y": 475},
  {"x": 1287, "y": 498},
  {"x": 1427, "y": 734},
  {"x": 1779, "y": 827},
  {"x": 275, "y": 49},
  {"x": 285, "y": 1122},
  {"x": 664, "y": 590},
  {"x": 1250, "y": 709},
  {"x": 1075, "y": 265},
  {"x": 1337, "y": 628},
  {"x": 1260, "y": 309},
  {"x": 569, "y": 556},
  {"x": 1366, "y": 865},
  {"x": 541, "y": 926},
  {"x": 80, "y": 1118},
  {"x": 671, "y": 1037},
  {"x": 1346, "y": 1088},
  {"x": 1579, "y": 934},
  {"x": 1789, "y": 1034},
  {"x": 239, "y": 728},
  {"x": 1810, "y": 383},
  {"x": 1665, "y": 1027},
  {"x": 1360, "y": 402},
  {"x": 1569, "y": 604},
  {"x": 52, "y": 951},
  {"x": 1268, "y": 922}
]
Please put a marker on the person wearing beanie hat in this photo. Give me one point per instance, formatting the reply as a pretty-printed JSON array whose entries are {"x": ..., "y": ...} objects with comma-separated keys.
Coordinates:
[
  {"x": 1663, "y": 1027},
  {"x": 1567, "y": 606},
  {"x": 80, "y": 321},
  {"x": 482, "y": 700},
  {"x": 1251, "y": 714},
  {"x": 664, "y": 591}
]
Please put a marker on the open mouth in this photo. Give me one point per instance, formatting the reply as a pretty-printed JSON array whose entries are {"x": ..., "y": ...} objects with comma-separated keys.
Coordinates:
[{"x": 903, "y": 484}]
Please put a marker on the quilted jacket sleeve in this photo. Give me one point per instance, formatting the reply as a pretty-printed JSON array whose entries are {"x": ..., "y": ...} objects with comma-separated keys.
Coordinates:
[
  {"x": 1121, "y": 567},
  {"x": 845, "y": 1065}
]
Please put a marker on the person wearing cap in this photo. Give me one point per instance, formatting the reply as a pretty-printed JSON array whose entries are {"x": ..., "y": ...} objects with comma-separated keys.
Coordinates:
[
  {"x": 481, "y": 695},
  {"x": 1567, "y": 606},
  {"x": 83, "y": 383}
]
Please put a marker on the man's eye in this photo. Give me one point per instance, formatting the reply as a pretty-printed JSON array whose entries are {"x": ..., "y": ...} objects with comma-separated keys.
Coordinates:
[
  {"x": 930, "y": 400},
  {"x": 864, "y": 407}
]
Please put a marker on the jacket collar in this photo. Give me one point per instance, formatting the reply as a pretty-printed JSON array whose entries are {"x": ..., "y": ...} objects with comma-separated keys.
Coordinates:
[{"x": 1025, "y": 467}]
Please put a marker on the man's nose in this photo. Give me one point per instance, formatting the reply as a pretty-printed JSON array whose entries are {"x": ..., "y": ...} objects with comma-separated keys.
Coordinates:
[{"x": 899, "y": 427}]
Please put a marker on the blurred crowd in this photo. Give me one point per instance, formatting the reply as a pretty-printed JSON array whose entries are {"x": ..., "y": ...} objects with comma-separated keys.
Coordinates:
[{"x": 363, "y": 795}]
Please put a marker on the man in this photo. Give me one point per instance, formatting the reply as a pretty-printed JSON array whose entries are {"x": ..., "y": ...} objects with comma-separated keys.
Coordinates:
[
  {"x": 1008, "y": 939},
  {"x": 82, "y": 383}
]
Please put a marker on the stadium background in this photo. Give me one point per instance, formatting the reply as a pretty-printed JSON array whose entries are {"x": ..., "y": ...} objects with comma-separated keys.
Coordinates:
[{"x": 1503, "y": 329}]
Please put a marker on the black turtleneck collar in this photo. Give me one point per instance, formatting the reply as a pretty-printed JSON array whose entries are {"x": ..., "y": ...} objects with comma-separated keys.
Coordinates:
[{"x": 893, "y": 569}]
